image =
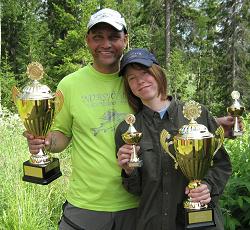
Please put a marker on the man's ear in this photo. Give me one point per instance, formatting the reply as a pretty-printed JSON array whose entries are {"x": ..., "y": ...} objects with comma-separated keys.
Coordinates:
[
  {"x": 126, "y": 39},
  {"x": 87, "y": 39}
]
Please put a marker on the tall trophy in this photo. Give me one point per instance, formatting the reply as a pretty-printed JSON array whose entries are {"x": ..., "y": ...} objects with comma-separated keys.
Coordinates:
[
  {"x": 194, "y": 148},
  {"x": 37, "y": 107},
  {"x": 132, "y": 137},
  {"x": 236, "y": 110}
]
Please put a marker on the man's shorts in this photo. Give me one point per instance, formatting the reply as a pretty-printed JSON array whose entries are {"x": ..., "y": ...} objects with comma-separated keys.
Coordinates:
[{"x": 74, "y": 218}]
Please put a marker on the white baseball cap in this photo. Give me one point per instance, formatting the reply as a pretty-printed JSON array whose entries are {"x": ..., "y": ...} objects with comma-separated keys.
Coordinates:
[{"x": 112, "y": 17}]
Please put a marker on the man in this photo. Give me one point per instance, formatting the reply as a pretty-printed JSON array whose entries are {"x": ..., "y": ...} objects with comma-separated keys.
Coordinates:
[{"x": 94, "y": 104}]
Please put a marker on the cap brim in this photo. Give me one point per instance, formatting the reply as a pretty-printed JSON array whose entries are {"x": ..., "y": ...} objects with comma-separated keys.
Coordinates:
[
  {"x": 117, "y": 26},
  {"x": 142, "y": 61}
]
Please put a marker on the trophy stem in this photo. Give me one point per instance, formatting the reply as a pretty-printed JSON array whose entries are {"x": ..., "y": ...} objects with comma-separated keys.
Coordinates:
[
  {"x": 189, "y": 204},
  {"x": 134, "y": 160},
  {"x": 236, "y": 129},
  {"x": 41, "y": 158},
  {"x": 132, "y": 137}
]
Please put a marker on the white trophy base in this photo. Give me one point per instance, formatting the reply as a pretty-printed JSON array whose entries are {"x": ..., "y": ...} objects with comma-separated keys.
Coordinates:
[
  {"x": 237, "y": 133},
  {"x": 135, "y": 164}
]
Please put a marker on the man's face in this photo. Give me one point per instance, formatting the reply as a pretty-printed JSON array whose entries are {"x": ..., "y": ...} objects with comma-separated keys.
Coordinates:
[{"x": 106, "y": 45}]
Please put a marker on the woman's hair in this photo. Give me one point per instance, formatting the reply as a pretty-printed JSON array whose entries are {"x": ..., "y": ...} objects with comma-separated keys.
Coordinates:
[{"x": 157, "y": 72}]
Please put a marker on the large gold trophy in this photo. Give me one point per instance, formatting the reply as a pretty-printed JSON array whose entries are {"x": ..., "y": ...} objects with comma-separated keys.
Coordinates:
[
  {"x": 37, "y": 107},
  {"x": 195, "y": 148},
  {"x": 132, "y": 137},
  {"x": 236, "y": 110}
]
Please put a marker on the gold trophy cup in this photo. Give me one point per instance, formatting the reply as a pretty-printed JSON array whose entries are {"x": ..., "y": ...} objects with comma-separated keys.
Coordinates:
[
  {"x": 132, "y": 137},
  {"x": 195, "y": 148},
  {"x": 236, "y": 110},
  {"x": 37, "y": 107}
]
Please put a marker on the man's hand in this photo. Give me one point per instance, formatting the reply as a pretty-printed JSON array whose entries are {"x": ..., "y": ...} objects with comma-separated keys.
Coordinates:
[
  {"x": 227, "y": 124},
  {"x": 36, "y": 144},
  {"x": 54, "y": 142}
]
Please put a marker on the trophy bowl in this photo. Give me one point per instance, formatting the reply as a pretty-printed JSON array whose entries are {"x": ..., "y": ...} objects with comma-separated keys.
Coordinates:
[
  {"x": 37, "y": 107},
  {"x": 194, "y": 148},
  {"x": 236, "y": 110},
  {"x": 132, "y": 137}
]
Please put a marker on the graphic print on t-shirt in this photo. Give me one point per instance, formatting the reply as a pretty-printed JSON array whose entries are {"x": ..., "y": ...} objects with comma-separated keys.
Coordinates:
[
  {"x": 110, "y": 103},
  {"x": 108, "y": 121}
]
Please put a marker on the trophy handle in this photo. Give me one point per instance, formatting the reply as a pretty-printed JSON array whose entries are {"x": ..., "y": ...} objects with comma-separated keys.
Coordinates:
[
  {"x": 59, "y": 100},
  {"x": 219, "y": 134},
  {"x": 15, "y": 93},
  {"x": 163, "y": 136}
]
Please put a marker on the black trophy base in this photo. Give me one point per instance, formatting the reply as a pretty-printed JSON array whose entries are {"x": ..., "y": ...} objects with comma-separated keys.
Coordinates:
[
  {"x": 41, "y": 174},
  {"x": 199, "y": 218}
]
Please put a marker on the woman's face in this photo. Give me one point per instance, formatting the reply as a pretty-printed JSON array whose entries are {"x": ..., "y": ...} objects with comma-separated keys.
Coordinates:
[{"x": 142, "y": 84}]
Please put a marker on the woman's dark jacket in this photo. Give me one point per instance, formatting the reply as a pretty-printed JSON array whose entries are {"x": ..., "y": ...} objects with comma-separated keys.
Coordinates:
[{"x": 160, "y": 186}]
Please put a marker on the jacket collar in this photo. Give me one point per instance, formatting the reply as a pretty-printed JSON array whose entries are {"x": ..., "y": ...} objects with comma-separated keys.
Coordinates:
[{"x": 169, "y": 113}]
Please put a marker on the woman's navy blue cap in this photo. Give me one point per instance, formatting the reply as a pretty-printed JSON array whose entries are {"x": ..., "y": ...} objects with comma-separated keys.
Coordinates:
[{"x": 140, "y": 56}]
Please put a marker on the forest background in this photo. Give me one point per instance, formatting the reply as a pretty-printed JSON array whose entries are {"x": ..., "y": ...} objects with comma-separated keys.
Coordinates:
[{"x": 204, "y": 46}]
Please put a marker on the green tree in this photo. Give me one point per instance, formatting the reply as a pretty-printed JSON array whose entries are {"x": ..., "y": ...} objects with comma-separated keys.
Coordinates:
[
  {"x": 7, "y": 81},
  {"x": 233, "y": 47},
  {"x": 68, "y": 51},
  {"x": 181, "y": 80}
]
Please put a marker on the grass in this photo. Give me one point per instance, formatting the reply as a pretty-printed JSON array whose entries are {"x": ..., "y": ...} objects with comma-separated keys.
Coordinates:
[{"x": 26, "y": 206}]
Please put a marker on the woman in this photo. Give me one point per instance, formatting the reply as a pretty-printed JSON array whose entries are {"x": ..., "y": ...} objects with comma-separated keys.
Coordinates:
[{"x": 160, "y": 186}]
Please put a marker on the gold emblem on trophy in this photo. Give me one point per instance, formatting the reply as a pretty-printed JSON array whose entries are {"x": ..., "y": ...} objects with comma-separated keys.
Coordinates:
[
  {"x": 37, "y": 107},
  {"x": 195, "y": 148},
  {"x": 236, "y": 110},
  {"x": 132, "y": 137}
]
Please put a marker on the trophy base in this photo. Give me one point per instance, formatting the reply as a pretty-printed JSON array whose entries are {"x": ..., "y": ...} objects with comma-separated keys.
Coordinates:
[
  {"x": 41, "y": 174},
  {"x": 199, "y": 218},
  {"x": 135, "y": 164},
  {"x": 237, "y": 134}
]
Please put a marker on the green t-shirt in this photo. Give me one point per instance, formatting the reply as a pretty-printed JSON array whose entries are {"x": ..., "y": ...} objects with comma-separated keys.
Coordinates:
[{"x": 94, "y": 104}]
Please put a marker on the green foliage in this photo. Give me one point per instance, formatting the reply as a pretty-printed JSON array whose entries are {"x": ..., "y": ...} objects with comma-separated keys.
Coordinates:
[
  {"x": 26, "y": 206},
  {"x": 209, "y": 58},
  {"x": 233, "y": 37},
  {"x": 211, "y": 37},
  {"x": 235, "y": 201},
  {"x": 7, "y": 81},
  {"x": 139, "y": 30},
  {"x": 181, "y": 80},
  {"x": 68, "y": 51}
]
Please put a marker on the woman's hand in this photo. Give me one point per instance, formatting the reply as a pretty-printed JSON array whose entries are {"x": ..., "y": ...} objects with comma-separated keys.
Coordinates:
[
  {"x": 200, "y": 194},
  {"x": 123, "y": 155}
]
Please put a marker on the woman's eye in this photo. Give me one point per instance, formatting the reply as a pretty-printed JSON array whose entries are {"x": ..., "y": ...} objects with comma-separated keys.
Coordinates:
[{"x": 131, "y": 78}]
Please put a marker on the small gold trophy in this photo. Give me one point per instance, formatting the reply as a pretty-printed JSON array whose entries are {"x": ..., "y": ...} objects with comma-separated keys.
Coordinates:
[
  {"x": 236, "y": 110},
  {"x": 37, "y": 107},
  {"x": 132, "y": 137},
  {"x": 195, "y": 148}
]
